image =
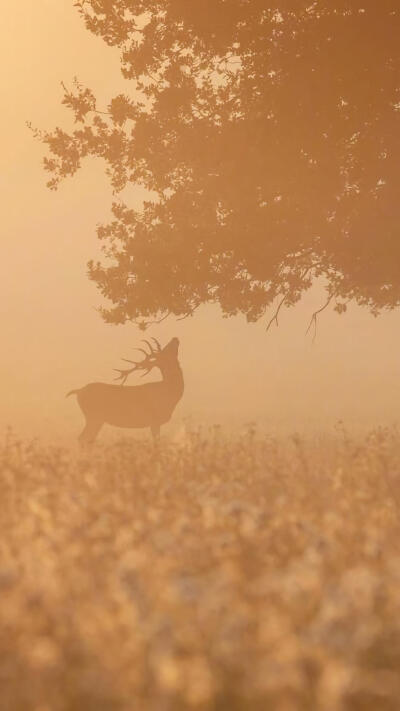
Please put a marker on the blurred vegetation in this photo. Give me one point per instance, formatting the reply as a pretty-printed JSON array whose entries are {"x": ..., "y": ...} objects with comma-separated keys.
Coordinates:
[{"x": 213, "y": 572}]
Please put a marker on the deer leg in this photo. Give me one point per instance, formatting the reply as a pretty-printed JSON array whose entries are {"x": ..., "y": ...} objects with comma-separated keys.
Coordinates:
[
  {"x": 155, "y": 431},
  {"x": 90, "y": 432}
]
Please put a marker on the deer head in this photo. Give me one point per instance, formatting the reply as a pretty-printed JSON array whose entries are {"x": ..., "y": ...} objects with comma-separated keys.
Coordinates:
[{"x": 155, "y": 357}]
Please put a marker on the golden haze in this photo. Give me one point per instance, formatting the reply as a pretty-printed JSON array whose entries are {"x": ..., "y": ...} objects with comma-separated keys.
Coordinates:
[
  {"x": 54, "y": 340},
  {"x": 210, "y": 570}
]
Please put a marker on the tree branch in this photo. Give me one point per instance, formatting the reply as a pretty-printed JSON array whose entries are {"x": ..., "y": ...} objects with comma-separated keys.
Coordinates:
[
  {"x": 143, "y": 325},
  {"x": 159, "y": 320},
  {"x": 276, "y": 314},
  {"x": 313, "y": 320},
  {"x": 189, "y": 313}
]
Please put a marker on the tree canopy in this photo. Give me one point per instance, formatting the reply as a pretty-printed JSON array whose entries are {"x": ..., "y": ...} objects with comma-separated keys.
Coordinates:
[{"x": 268, "y": 138}]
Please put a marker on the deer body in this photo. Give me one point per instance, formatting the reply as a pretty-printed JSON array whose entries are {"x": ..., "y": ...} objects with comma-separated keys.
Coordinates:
[{"x": 148, "y": 405}]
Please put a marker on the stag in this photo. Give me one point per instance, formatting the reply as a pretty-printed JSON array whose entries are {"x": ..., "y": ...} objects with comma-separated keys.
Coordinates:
[{"x": 146, "y": 405}]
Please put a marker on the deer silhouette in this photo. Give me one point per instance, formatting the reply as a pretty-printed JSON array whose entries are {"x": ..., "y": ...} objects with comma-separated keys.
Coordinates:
[{"x": 146, "y": 405}]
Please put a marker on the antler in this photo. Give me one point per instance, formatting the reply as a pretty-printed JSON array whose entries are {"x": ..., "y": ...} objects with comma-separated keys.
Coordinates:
[
  {"x": 157, "y": 344},
  {"x": 147, "y": 364}
]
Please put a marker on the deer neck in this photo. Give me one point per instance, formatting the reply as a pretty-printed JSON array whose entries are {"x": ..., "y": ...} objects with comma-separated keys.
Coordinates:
[{"x": 173, "y": 380}]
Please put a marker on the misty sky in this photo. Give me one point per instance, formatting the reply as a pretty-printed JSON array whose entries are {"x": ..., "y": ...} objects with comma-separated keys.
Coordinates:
[{"x": 53, "y": 338}]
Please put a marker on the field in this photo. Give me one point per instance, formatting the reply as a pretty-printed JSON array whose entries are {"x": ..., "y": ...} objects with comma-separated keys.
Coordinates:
[{"x": 220, "y": 572}]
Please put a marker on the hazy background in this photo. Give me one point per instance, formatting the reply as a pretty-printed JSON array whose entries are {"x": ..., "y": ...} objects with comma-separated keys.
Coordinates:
[{"x": 53, "y": 338}]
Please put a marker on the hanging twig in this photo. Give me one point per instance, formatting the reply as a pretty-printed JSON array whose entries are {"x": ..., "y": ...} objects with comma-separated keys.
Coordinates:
[
  {"x": 143, "y": 325},
  {"x": 182, "y": 318},
  {"x": 189, "y": 313},
  {"x": 159, "y": 320},
  {"x": 276, "y": 314},
  {"x": 313, "y": 320}
]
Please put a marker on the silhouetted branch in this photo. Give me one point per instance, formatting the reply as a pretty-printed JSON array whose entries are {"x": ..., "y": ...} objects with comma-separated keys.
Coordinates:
[
  {"x": 88, "y": 109},
  {"x": 189, "y": 313},
  {"x": 143, "y": 324},
  {"x": 159, "y": 320},
  {"x": 276, "y": 314},
  {"x": 182, "y": 318},
  {"x": 313, "y": 320}
]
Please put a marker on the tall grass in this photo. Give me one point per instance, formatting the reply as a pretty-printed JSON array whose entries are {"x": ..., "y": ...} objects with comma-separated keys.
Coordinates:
[{"x": 218, "y": 572}]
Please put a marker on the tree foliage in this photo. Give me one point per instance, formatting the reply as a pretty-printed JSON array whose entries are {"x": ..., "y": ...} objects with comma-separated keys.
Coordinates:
[{"x": 268, "y": 138}]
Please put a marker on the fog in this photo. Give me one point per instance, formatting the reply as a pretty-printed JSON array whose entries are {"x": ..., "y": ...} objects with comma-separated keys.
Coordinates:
[{"x": 53, "y": 336}]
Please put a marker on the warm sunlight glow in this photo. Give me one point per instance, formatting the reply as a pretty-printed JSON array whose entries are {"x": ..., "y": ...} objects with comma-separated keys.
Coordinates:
[{"x": 200, "y": 454}]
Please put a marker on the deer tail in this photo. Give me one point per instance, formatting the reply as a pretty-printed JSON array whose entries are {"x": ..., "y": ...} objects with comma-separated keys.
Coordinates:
[{"x": 72, "y": 392}]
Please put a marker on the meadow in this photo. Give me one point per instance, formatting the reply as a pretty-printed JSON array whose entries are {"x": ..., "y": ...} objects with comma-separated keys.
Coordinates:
[{"x": 220, "y": 572}]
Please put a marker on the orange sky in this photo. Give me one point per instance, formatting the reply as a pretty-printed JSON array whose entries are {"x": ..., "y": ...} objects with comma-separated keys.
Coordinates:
[{"x": 53, "y": 338}]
